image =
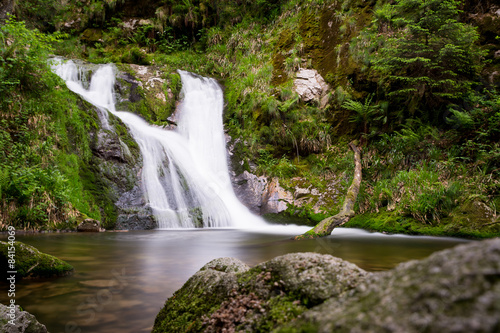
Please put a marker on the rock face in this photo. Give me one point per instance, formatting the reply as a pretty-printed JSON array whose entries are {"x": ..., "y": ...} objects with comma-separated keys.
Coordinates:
[
  {"x": 31, "y": 263},
  {"x": 265, "y": 196},
  {"x": 226, "y": 295},
  {"x": 456, "y": 290},
  {"x": 260, "y": 195},
  {"x": 24, "y": 322},
  {"x": 311, "y": 86}
]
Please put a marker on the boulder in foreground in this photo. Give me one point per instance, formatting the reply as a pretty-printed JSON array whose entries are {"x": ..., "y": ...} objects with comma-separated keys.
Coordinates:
[{"x": 455, "y": 290}]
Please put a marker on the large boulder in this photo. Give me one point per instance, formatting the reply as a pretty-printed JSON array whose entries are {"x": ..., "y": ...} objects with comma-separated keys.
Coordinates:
[
  {"x": 456, "y": 290},
  {"x": 31, "y": 263},
  {"x": 225, "y": 295},
  {"x": 23, "y": 321}
]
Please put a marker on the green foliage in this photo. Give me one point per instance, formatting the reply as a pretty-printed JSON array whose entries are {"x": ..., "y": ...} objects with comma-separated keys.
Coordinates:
[
  {"x": 43, "y": 135},
  {"x": 429, "y": 58},
  {"x": 365, "y": 114},
  {"x": 274, "y": 167},
  {"x": 418, "y": 193},
  {"x": 23, "y": 56}
]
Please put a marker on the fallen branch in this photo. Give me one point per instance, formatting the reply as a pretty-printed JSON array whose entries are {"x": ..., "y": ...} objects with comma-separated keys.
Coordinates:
[{"x": 326, "y": 226}]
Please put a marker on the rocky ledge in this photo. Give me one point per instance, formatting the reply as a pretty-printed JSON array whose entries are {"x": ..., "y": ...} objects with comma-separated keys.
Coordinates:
[{"x": 455, "y": 290}]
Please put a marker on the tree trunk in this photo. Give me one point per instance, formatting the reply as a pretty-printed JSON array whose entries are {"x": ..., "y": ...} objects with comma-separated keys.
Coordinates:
[{"x": 325, "y": 227}]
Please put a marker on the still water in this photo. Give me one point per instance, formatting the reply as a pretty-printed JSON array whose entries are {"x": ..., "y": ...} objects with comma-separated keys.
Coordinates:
[{"x": 122, "y": 279}]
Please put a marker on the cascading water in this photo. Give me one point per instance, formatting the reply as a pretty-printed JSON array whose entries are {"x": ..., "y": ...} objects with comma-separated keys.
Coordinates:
[{"x": 185, "y": 175}]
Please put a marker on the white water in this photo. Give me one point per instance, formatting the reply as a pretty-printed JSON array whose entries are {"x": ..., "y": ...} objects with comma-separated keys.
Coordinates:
[{"x": 185, "y": 175}]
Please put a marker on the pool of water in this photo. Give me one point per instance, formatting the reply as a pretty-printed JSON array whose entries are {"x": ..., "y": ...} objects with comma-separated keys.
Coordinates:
[{"x": 122, "y": 279}]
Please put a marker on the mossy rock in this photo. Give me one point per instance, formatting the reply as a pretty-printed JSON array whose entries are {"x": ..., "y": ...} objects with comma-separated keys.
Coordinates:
[
  {"x": 455, "y": 290},
  {"x": 91, "y": 36},
  {"x": 226, "y": 295},
  {"x": 31, "y": 263}
]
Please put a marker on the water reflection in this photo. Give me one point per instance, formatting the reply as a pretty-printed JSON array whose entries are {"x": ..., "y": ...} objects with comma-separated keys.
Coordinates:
[{"x": 121, "y": 280}]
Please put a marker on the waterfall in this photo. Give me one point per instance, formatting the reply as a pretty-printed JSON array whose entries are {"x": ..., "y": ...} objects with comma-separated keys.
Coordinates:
[{"x": 185, "y": 174}]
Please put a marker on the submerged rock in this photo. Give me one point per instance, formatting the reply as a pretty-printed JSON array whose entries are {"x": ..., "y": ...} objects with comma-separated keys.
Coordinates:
[
  {"x": 456, "y": 290},
  {"x": 24, "y": 321},
  {"x": 31, "y": 263}
]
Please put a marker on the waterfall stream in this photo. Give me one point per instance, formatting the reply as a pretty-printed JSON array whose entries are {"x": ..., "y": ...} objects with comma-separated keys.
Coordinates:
[{"x": 185, "y": 176}]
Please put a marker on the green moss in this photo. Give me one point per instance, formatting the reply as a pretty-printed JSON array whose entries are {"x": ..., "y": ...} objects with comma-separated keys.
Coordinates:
[
  {"x": 31, "y": 263},
  {"x": 393, "y": 223}
]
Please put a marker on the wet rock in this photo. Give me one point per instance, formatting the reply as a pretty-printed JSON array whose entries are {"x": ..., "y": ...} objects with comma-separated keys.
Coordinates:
[
  {"x": 89, "y": 225},
  {"x": 136, "y": 219},
  {"x": 456, "y": 290},
  {"x": 31, "y": 263},
  {"x": 126, "y": 86},
  {"x": 250, "y": 188},
  {"x": 109, "y": 146},
  {"x": 24, "y": 321},
  {"x": 311, "y": 86},
  {"x": 275, "y": 198}
]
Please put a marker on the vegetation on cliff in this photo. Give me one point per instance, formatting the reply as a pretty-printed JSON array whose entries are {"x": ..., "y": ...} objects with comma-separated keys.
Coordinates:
[{"x": 414, "y": 81}]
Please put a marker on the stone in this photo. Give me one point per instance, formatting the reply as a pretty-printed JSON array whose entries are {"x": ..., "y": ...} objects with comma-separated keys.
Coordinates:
[
  {"x": 311, "y": 86},
  {"x": 109, "y": 146},
  {"x": 275, "y": 198},
  {"x": 455, "y": 290},
  {"x": 250, "y": 188},
  {"x": 31, "y": 263},
  {"x": 89, "y": 225},
  {"x": 24, "y": 321},
  {"x": 226, "y": 295}
]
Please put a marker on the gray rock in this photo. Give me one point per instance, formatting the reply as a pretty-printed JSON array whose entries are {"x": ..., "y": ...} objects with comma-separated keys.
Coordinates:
[
  {"x": 310, "y": 86},
  {"x": 89, "y": 225},
  {"x": 109, "y": 146},
  {"x": 316, "y": 277},
  {"x": 225, "y": 295},
  {"x": 456, "y": 290},
  {"x": 24, "y": 322}
]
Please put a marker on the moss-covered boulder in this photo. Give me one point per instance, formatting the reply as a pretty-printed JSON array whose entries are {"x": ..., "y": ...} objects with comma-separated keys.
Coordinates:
[
  {"x": 23, "y": 321},
  {"x": 455, "y": 290},
  {"x": 226, "y": 294},
  {"x": 31, "y": 263}
]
